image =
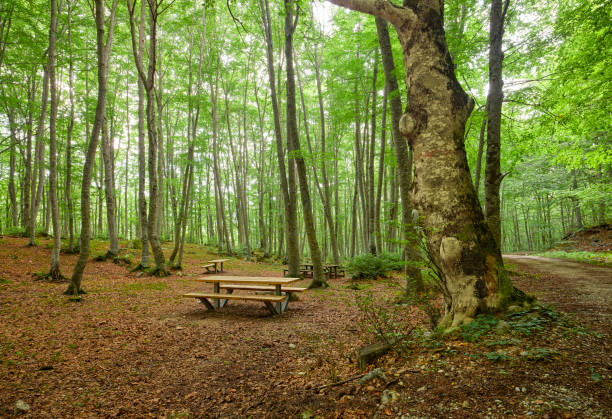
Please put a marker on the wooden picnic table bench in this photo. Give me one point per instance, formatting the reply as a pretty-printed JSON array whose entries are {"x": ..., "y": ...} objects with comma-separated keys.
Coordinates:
[
  {"x": 211, "y": 267},
  {"x": 331, "y": 271},
  {"x": 276, "y": 303},
  {"x": 214, "y": 266}
]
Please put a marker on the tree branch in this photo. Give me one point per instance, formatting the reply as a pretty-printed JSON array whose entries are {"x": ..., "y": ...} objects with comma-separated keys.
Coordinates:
[{"x": 392, "y": 13}]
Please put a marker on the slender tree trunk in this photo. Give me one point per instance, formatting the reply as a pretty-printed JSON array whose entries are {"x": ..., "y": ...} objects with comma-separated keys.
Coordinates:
[
  {"x": 481, "y": 140},
  {"x": 27, "y": 180},
  {"x": 68, "y": 185},
  {"x": 293, "y": 255},
  {"x": 11, "y": 186},
  {"x": 381, "y": 171},
  {"x": 54, "y": 272},
  {"x": 103, "y": 53},
  {"x": 372, "y": 148},
  {"x": 39, "y": 152},
  {"x": 109, "y": 191},
  {"x": 495, "y": 98},
  {"x": 142, "y": 200},
  {"x": 333, "y": 236},
  {"x": 293, "y": 143}
]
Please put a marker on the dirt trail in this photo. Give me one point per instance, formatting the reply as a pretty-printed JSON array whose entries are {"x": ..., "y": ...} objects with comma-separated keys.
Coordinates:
[{"x": 574, "y": 287}]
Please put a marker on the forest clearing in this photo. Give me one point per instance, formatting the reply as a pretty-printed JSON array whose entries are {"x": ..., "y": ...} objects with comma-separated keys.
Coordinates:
[
  {"x": 305, "y": 208},
  {"x": 135, "y": 348}
]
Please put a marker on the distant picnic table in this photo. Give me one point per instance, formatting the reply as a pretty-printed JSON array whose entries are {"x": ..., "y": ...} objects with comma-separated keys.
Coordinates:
[
  {"x": 276, "y": 303},
  {"x": 330, "y": 270},
  {"x": 215, "y": 265}
]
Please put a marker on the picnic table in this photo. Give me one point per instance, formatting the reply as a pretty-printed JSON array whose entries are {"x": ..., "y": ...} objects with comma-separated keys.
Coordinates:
[
  {"x": 215, "y": 265},
  {"x": 333, "y": 271},
  {"x": 276, "y": 303}
]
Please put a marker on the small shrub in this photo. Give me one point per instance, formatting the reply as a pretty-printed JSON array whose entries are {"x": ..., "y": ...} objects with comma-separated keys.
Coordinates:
[
  {"x": 136, "y": 244},
  {"x": 393, "y": 261},
  {"x": 367, "y": 266},
  {"x": 15, "y": 232}
]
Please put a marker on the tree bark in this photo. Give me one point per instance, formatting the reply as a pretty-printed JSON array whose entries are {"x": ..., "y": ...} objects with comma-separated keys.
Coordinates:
[
  {"x": 371, "y": 209},
  {"x": 103, "y": 53},
  {"x": 148, "y": 80},
  {"x": 495, "y": 98},
  {"x": 459, "y": 240},
  {"x": 404, "y": 162},
  {"x": 39, "y": 152},
  {"x": 142, "y": 200},
  {"x": 109, "y": 191},
  {"x": 68, "y": 185},
  {"x": 54, "y": 273},
  {"x": 293, "y": 255},
  {"x": 295, "y": 152},
  {"x": 333, "y": 234},
  {"x": 481, "y": 140}
]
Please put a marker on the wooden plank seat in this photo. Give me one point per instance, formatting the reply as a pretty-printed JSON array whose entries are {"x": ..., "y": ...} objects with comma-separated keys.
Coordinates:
[
  {"x": 261, "y": 288},
  {"x": 267, "y": 299},
  {"x": 271, "y": 288},
  {"x": 210, "y": 267}
]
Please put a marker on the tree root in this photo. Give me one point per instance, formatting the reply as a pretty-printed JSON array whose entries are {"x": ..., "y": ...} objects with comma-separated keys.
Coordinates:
[
  {"x": 140, "y": 268},
  {"x": 315, "y": 283},
  {"x": 159, "y": 272}
]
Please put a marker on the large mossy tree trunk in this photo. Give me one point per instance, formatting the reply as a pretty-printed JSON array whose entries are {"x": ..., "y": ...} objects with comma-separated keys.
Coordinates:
[{"x": 459, "y": 240}]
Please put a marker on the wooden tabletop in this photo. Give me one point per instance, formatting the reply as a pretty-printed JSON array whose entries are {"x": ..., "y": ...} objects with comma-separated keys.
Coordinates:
[
  {"x": 270, "y": 280},
  {"x": 218, "y": 260}
]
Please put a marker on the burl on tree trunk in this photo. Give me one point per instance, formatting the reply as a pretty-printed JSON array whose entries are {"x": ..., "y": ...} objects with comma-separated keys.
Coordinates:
[{"x": 458, "y": 237}]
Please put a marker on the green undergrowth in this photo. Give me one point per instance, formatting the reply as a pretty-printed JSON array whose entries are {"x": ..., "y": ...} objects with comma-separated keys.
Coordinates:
[
  {"x": 596, "y": 258},
  {"x": 369, "y": 266}
]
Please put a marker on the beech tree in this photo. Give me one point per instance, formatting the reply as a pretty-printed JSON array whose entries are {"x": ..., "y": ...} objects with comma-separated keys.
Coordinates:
[
  {"x": 458, "y": 238},
  {"x": 103, "y": 48}
]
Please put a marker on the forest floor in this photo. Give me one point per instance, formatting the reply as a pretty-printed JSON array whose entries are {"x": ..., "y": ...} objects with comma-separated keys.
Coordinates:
[{"x": 134, "y": 348}]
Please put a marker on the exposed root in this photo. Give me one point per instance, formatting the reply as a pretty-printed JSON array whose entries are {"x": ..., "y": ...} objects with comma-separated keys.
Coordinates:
[
  {"x": 318, "y": 284},
  {"x": 159, "y": 272},
  {"x": 140, "y": 268}
]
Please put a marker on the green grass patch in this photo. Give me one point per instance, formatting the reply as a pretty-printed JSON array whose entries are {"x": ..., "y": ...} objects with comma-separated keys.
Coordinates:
[{"x": 596, "y": 258}]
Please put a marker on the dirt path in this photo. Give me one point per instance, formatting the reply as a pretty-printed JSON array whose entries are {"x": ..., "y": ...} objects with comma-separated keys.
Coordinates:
[{"x": 574, "y": 287}]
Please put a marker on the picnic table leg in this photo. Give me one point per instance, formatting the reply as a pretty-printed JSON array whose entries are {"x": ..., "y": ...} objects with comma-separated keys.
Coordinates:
[
  {"x": 207, "y": 303},
  {"x": 270, "y": 307},
  {"x": 286, "y": 302},
  {"x": 224, "y": 302},
  {"x": 279, "y": 306},
  {"x": 217, "y": 290},
  {"x": 221, "y": 267}
]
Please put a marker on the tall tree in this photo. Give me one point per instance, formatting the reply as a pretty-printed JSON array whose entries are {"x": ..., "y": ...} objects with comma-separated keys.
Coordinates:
[
  {"x": 55, "y": 272},
  {"x": 459, "y": 240},
  {"x": 148, "y": 79},
  {"x": 493, "y": 176},
  {"x": 293, "y": 255},
  {"x": 103, "y": 49},
  {"x": 295, "y": 152}
]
